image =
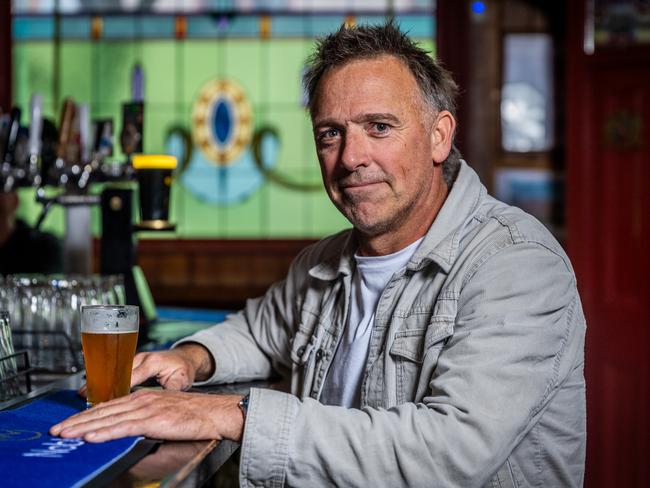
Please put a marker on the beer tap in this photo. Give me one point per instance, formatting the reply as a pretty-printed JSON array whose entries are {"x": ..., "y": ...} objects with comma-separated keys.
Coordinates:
[
  {"x": 9, "y": 150},
  {"x": 89, "y": 165},
  {"x": 35, "y": 138},
  {"x": 79, "y": 154},
  {"x": 65, "y": 134}
]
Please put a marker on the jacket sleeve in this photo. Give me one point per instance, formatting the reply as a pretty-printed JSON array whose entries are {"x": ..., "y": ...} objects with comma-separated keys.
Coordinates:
[
  {"x": 252, "y": 343},
  {"x": 517, "y": 337}
]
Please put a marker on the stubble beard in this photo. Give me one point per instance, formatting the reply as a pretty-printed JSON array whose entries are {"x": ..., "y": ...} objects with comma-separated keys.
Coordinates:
[
  {"x": 402, "y": 208},
  {"x": 371, "y": 225}
]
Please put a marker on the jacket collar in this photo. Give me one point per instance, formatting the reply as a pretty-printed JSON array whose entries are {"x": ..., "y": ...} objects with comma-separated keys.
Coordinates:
[
  {"x": 338, "y": 263},
  {"x": 440, "y": 244}
]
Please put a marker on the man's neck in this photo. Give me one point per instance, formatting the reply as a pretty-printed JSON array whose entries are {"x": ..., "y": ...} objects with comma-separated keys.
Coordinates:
[{"x": 384, "y": 245}]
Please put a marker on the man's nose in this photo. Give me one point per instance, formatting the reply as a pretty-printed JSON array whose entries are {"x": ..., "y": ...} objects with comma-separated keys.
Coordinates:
[{"x": 355, "y": 151}]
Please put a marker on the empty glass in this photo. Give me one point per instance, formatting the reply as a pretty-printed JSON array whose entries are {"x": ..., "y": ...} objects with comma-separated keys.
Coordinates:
[{"x": 9, "y": 381}]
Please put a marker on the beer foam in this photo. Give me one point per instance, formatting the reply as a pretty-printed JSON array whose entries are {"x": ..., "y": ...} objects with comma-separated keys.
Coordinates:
[{"x": 109, "y": 331}]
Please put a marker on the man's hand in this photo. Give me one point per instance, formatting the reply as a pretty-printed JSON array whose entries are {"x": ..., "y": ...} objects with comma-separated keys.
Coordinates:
[
  {"x": 176, "y": 369},
  {"x": 167, "y": 415}
]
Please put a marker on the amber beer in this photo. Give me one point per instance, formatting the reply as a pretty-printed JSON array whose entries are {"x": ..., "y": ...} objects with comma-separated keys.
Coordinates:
[
  {"x": 109, "y": 360},
  {"x": 109, "y": 334}
]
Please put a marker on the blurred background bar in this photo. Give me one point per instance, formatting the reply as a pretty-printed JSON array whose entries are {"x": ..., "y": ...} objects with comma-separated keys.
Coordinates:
[{"x": 554, "y": 115}]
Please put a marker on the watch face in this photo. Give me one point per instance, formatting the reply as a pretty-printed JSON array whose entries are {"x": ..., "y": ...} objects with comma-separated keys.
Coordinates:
[{"x": 243, "y": 404}]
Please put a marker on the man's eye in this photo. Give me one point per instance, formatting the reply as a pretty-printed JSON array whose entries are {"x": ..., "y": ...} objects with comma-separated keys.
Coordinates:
[
  {"x": 328, "y": 134},
  {"x": 380, "y": 128}
]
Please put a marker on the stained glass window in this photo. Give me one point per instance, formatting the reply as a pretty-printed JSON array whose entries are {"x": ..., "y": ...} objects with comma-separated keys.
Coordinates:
[{"x": 89, "y": 50}]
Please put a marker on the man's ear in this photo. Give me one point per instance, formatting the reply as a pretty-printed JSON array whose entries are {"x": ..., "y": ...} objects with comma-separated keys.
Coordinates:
[{"x": 442, "y": 136}]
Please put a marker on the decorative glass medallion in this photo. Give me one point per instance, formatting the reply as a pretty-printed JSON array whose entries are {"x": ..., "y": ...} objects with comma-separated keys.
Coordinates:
[{"x": 222, "y": 121}]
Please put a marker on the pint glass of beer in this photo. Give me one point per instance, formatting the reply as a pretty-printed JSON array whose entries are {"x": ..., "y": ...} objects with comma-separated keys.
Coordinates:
[{"x": 109, "y": 334}]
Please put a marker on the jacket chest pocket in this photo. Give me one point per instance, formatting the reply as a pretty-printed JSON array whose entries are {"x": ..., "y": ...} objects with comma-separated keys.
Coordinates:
[
  {"x": 302, "y": 343},
  {"x": 310, "y": 345},
  {"x": 415, "y": 353}
]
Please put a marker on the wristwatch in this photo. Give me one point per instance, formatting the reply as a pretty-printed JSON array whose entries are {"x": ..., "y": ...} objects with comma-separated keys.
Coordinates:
[{"x": 243, "y": 404}]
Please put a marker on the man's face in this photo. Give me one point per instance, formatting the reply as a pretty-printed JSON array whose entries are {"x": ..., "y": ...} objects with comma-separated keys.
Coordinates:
[{"x": 375, "y": 140}]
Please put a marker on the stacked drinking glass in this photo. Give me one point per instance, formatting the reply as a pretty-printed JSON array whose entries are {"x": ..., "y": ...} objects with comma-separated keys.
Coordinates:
[{"x": 44, "y": 314}]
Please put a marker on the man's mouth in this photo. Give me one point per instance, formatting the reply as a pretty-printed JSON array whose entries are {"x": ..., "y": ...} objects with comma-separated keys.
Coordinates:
[{"x": 358, "y": 184}]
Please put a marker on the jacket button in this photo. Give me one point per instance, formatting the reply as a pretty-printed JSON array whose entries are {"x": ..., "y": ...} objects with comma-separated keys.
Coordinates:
[
  {"x": 301, "y": 350},
  {"x": 319, "y": 354}
]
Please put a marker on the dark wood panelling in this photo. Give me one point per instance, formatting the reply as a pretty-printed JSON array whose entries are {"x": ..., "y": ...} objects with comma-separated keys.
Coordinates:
[
  {"x": 608, "y": 228},
  {"x": 214, "y": 273},
  {"x": 452, "y": 48},
  {"x": 468, "y": 45},
  {"x": 525, "y": 16}
]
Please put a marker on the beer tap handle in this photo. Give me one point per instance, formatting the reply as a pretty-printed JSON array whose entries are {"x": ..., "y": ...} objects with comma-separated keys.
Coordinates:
[
  {"x": 65, "y": 127},
  {"x": 35, "y": 137},
  {"x": 85, "y": 149},
  {"x": 137, "y": 83},
  {"x": 50, "y": 138},
  {"x": 84, "y": 133},
  {"x": 12, "y": 137},
  {"x": 35, "y": 126}
]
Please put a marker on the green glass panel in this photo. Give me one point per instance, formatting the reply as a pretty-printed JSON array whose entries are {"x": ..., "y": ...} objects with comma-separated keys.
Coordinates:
[
  {"x": 33, "y": 71},
  {"x": 287, "y": 211},
  {"x": 76, "y": 73},
  {"x": 245, "y": 219},
  {"x": 201, "y": 64},
  {"x": 324, "y": 218},
  {"x": 197, "y": 218},
  {"x": 115, "y": 61},
  {"x": 158, "y": 119},
  {"x": 241, "y": 60},
  {"x": 158, "y": 59},
  {"x": 288, "y": 123},
  {"x": 285, "y": 59}
]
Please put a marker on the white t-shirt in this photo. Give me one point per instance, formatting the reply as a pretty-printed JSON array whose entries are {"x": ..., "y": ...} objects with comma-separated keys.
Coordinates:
[{"x": 342, "y": 385}]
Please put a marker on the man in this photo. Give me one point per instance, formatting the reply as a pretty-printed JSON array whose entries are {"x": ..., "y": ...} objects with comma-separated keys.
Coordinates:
[
  {"x": 438, "y": 343},
  {"x": 23, "y": 249}
]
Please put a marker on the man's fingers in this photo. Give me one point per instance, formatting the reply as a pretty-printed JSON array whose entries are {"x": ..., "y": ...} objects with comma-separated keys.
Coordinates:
[
  {"x": 106, "y": 424},
  {"x": 177, "y": 380},
  {"x": 126, "y": 428},
  {"x": 144, "y": 368},
  {"x": 83, "y": 391},
  {"x": 138, "y": 358},
  {"x": 98, "y": 412},
  {"x": 170, "y": 368},
  {"x": 81, "y": 424}
]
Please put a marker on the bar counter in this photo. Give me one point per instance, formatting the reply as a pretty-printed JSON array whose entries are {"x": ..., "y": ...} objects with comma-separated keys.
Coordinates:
[{"x": 153, "y": 463}]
